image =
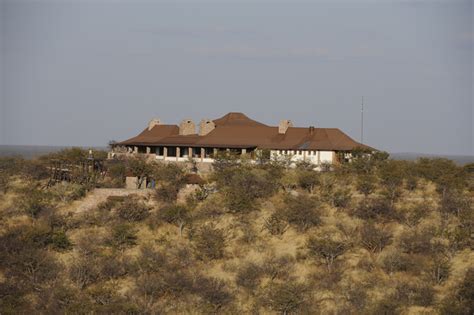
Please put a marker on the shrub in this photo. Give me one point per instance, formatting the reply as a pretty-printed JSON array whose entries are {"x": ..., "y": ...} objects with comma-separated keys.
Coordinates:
[
  {"x": 341, "y": 198},
  {"x": 366, "y": 184},
  {"x": 213, "y": 292},
  {"x": 326, "y": 249},
  {"x": 123, "y": 235},
  {"x": 374, "y": 239},
  {"x": 34, "y": 201},
  {"x": 308, "y": 180},
  {"x": 133, "y": 210},
  {"x": 167, "y": 193},
  {"x": 209, "y": 242},
  {"x": 248, "y": 276},
  {"x": 275, "y": 224},
  {"x": 60, "y": 241},
  {"x": 278, "y": 267},
  {"x": 287, "y": 298},
  {"x": 241, "y": 187},
  {"x": 175, "y": 214},
  {"x": 395, "y": 261},
  {"x": 416, "y": 241},
  {"x": 84, "y": 272},
  {"x": 375, "y": 209},
  {"x": 300, "y": 212},
  {"x": 460, "y": 301}
]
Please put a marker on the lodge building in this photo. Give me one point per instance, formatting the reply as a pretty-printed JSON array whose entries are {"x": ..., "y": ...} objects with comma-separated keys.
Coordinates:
[{"x": 239, "y": 134}]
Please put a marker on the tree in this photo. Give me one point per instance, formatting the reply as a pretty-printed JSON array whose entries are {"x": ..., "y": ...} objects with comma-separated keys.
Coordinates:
[
  {"x": 123, "y": 235},
  {"x": 301, "y": 212},
  {"x": 140, "y": 168},
  {"x": 175, "y": 214},
  {"x": 286, "y": 298},
  {"x": 366, "y": 184},
  {"x": 374, "y": 239},
  {"x": 209, "y": 242},
  {"x": 133, "y": 210},
  {"x": 308, "y": 179},
  {"x": 326, "y": 248}
]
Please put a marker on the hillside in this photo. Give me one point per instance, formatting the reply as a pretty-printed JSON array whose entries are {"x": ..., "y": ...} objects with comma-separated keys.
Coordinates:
[{"x": 375, "y": 236}]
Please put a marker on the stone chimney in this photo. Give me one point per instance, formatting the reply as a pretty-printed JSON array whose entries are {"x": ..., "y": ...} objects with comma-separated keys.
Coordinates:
[
  {"x": 311, "y": 130},
  {"x": 206, "y": 126},
  {"x": 283, "y": 126},
  {"x": 153, "y": 123},
  {"x": 187, "y": 127}
]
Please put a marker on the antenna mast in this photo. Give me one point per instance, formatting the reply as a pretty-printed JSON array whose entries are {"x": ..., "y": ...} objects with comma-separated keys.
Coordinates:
[{"x": 362, "y": 121}]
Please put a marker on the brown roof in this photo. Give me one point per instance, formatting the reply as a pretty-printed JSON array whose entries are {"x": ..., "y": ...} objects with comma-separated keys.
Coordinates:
[{"x": 235, "y": 130}]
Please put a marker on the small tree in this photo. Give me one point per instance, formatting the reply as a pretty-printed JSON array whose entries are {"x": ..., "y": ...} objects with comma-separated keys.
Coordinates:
[
  {"x": 308, "y": 179},
  {"x": 373, "y": 238},
  {"x": 123, "y": 236},
  {"x": 286, "y": 298},
  {"x": 366, "y": 184},
  {"x": 133, "y": 210},
  {"x": 176, "y": 214},
  {"x": 209, "y": 242},
  {"x": 140, "y": 168},
  {"x": 301, "y": 212},
  {"x": 326, "y": 248}
]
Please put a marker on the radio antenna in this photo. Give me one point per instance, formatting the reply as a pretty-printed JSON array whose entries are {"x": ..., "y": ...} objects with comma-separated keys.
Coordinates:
[{"x": 362, "y": 121}]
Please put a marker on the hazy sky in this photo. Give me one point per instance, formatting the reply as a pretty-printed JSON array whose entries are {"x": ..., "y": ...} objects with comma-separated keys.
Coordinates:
[{"x": 86, "y": 72}]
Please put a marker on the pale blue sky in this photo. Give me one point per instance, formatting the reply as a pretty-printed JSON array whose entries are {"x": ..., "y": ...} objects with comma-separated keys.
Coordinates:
[{"x": 85, "y": 72}]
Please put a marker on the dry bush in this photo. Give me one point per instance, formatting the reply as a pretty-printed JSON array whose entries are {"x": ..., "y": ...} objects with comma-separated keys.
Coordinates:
[
  {"x": 308, "y": 179},
  {"x": 213, "y": 292},
  {"x": 278, "y": 267},
  {"x": 123, "y": 235},
  {"x": 249, "y": 276},
  {"x": 417, "y": 240},
  {"x": 209, "y": 242},
  {"x": 84, "y": 272},
  {"x": 275, "y": 224},
  {"x": 460, "y": 300},
  {"x": 394, "y": 260},
  {"x": 133, "y": 210},
  {"x": 175, "y": 214},
  {"x": 341, "y": 198},
  {"x": 287, "y": 298},
  {"x": 379, "y": 209},
  {"x": 326, "y": 248},
  {"x": 301, "y": 212},
  {"x": 366, "y": 184},
  {"x": 373, "y": 238}
]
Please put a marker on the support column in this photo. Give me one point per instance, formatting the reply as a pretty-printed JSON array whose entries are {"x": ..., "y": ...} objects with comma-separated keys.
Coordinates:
[
  {"x": 148, "y": 150},
  {"x": 244, "y": 151},
  {"x": 215, "y": 152},
  {"x": 135, "y": 149},
  {"x": 190, "y": 152},
  {"x": 203, "y": 152},
  {"x": 304, "y": 155},
  {"x": 178, "y": 153},
  {"x": 165, "y": 152},
  {"x": 319, "y": 157}
]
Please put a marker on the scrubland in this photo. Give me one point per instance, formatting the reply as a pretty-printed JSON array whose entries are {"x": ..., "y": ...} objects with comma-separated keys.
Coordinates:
[{"x": 374, "y": 236}]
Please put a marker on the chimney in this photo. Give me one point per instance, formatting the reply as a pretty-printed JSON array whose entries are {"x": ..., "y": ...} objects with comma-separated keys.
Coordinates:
[
  {"x": 311, "y": 130},
  {"x": 187, "y": 127},
  {"x": 153, "y": 123},
  {"x": 206, "y": 126},
  {"x": 283, "y": 126}
]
